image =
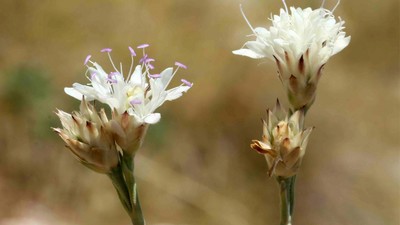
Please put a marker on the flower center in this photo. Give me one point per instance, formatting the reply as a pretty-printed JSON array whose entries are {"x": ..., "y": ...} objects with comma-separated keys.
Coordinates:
[{"x": 134, "y": 96}]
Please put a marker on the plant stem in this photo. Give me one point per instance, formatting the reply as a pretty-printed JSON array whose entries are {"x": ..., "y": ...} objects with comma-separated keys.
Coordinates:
[
  {"x": 123, "y": 180},
  {"x": 128, "y": 168},
  {"x": 287, "y": 197},
  {"x": 118, "y": 181},
  {"x": 291, "y": 193}
]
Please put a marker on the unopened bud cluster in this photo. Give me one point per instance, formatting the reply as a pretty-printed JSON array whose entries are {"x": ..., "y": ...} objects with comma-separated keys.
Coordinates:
[
  {"x": 89, "y": 136},
  {"x": 283, "y": 142}
]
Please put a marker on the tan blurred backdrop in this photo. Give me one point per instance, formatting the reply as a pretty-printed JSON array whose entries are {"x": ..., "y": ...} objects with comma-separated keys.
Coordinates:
[{"x": 196, "y": 166}]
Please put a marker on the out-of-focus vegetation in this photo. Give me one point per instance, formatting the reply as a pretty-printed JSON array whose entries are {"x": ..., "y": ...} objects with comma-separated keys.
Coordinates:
[{"x": 196, "y": 166}]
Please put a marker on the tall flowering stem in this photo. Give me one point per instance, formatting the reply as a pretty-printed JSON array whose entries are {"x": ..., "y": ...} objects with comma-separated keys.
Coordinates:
[
  {"x": 300, "y": 43},
  {"x": 109, "y": 146}
]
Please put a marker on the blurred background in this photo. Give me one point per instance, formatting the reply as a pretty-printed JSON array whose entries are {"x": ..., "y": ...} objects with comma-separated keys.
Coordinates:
[{"x": 196, "y": 166}]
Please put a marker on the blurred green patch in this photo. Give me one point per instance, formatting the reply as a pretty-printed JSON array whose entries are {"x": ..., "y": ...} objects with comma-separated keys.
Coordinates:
[
  {"x": 26, "y": 95},
  {"x": 24, "y": 87},
  {"x": 156, "y": 135}
]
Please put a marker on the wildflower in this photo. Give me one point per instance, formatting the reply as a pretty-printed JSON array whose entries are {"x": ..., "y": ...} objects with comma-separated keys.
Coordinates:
[
  {"x": 139, "y": 94},
  {"x": 87, "y": 134},
  {"x": 284, "y": 141},
  {"x": 300, "y": 42}
]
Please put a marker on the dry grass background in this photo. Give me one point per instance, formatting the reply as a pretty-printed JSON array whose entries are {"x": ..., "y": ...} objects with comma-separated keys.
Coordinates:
[{"x": 196, "y": 166}]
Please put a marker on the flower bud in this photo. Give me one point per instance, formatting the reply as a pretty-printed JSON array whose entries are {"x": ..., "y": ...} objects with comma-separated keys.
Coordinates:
[
  {"x": 127, "y": 132},
  {"x": 284, "y": 142},
  {"x": 87, "y": 135}
]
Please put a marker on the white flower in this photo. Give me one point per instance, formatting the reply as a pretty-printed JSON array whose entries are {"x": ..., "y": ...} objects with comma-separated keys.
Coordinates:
[
  {"x": 284, "y": 141},
  {"x": 300, "y": 41},
  {"x": 139, "y": 94}
]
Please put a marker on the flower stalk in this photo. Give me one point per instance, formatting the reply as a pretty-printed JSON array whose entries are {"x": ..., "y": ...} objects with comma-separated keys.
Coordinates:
[
  {"x": 128, "y": 169},
  {"x": 124, "y": 182},
  {"x": 285, "y": 188}
]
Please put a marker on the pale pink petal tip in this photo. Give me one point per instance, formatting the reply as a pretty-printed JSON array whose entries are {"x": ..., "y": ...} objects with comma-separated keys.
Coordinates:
[
  {"x": 150, "y": 66},
  {"x": 155, "y": 75},
  {"x": 133, "y": 53},
  {"x": 187, "y": 82},
  {"x": 143, "y": 46},
  {"x": 106, "y": 50},
  {"x": 87, "y": 59},
  {"x": 136, "y": 102},
  {"x": 178, "y": 64}
]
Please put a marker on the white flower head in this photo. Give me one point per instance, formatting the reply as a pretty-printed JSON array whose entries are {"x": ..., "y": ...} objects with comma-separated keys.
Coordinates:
[
  {"x": 139, "y": 94},
  {"x": 300, "y": 41}
]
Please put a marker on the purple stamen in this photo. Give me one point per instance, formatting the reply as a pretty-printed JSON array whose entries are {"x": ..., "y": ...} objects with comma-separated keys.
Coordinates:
[
  {"x": 106, "y": 50},
  {"x": 178, "y": 64},
  {"x": 133, "y": 53},
  {"x": 87, "y": 59},
  {"x": 150, "y": 66},
  {"x": 135, "y": 102},
  {"x": 143, "y": 46},
  {"x": 155, "y": 75},
  {"x": 187, "y": 82},
  {"x": 113, "y": 81},
  {"x": 143, "y": 59},
  {"x": 149, "y": 60},
  {"x": 111, "y": 77}
]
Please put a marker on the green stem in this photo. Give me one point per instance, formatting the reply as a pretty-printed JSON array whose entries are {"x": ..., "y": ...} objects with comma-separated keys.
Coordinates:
[
  {"x": 123, "y": 180},
  {"x": 119, "y": 184},
  {"x": 291, "y": 194},
  {"x": 128, "y": 168},
  {"x": 286, "y": 196}
]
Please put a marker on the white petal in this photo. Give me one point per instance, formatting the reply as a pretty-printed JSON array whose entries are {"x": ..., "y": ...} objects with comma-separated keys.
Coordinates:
[
  {"x": 152, "y": 118},
  {"x": 341, "y": 44},
  {"x": 256, "y": 46},
  {"x": 136, "y": 77},
  {"x": 73, "y": 93},
  {"x": 176, "y": 92},
  {"x": 166, "y": 76},
  {"x": 248, "y": 53},
  {"x": 89, "y": 92},
  {"x": 100, "y": 70},
  {"x": 261, "y": 31}
]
